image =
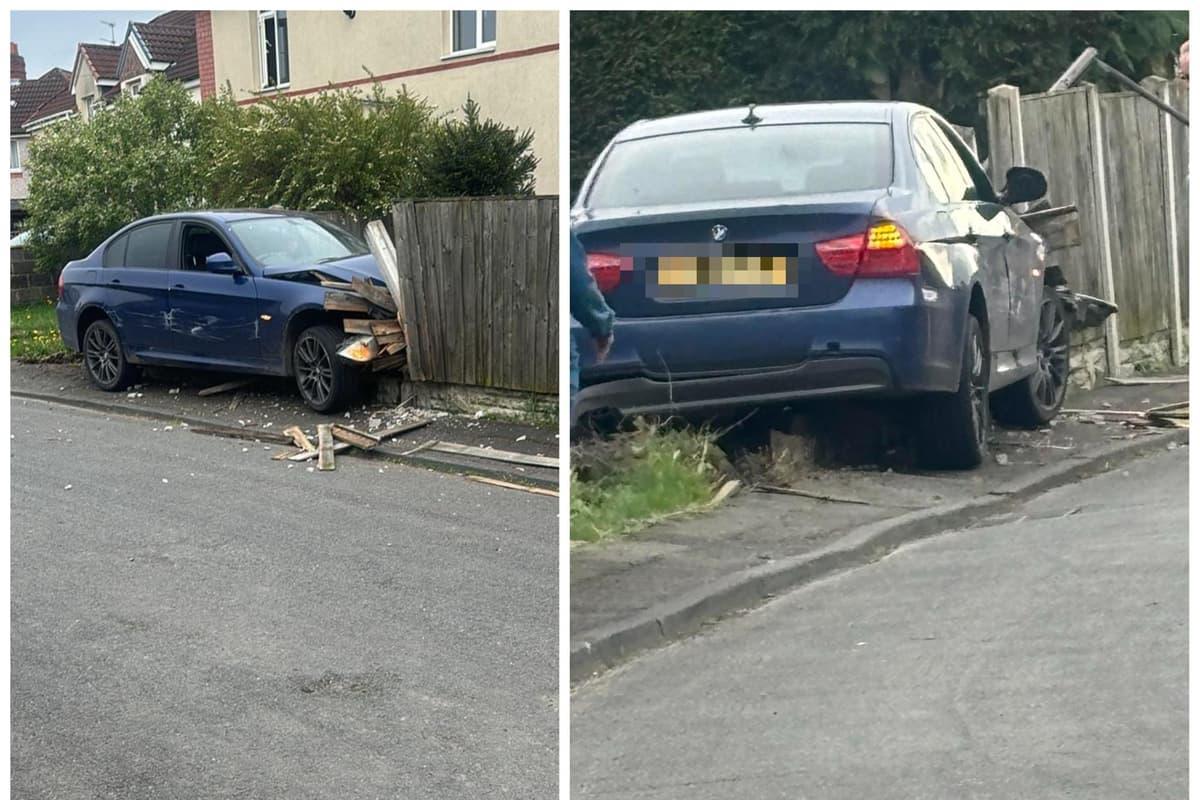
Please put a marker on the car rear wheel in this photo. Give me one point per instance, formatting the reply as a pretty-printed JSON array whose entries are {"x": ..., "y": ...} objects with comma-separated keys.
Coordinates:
[
  {"x": 954, "y": 427},
  {"x": 1035, "y": 400},
  {"x": 326, "y": 382},
  {"x": 104, "y": 359}
]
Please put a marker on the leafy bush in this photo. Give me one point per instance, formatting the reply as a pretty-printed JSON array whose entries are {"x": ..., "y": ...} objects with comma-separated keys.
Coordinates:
[
  {"x": 338, "y": 151},
  {"x": 478, "y": 158},
  {"x": 86, "y": 179}
]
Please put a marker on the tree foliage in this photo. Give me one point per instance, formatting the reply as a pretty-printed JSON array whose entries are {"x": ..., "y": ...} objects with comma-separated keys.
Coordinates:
[
  {"x": 477, "y": 157},
  {"x": 340, "y": 151},
  {"x": 632, "y": 65},
  {"x": 86, "y": 179}
]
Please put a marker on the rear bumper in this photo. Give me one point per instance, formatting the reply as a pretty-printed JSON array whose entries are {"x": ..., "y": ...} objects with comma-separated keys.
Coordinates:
[{"x": 821, "y": 377}]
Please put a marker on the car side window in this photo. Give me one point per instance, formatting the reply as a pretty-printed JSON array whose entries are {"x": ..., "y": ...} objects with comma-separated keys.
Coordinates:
[
  {"x": 114, "y": 254},
  {"x": 929, "y": 171},
  {"x": 949, "y": 166},
  {"x": 983, "y": 187},
  {"x": 197, "y": 243},
  {"x": 147, "y": 248}
]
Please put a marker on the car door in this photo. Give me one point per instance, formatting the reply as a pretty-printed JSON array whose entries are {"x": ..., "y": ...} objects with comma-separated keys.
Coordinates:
[
  {"x": 134, "y": 271},
  {"x": 214, "y": 316},
  {"x": 978, "y": 222}
]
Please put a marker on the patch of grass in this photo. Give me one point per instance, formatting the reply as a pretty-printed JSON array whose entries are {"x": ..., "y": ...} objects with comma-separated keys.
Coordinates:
[
  {"x": 626, "y": 483},
  {"x": 34, "y": 334}
]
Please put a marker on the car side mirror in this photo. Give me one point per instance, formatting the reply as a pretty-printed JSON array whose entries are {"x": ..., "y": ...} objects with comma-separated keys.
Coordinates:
[
  {"x": 1022, "y": 185},
  {"x": 221, "y": 264}
]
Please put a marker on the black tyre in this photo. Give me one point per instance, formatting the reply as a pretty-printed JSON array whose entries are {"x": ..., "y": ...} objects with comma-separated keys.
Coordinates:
[
  {"x": 104, "y": 358},
  {"x": 1035, "y": 400},
  {"x": 954, "y": 426},
  {"x": 326, "y": 382}
]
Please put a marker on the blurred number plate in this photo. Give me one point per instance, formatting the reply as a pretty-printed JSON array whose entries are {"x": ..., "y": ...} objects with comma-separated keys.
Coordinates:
[{"x": 722, "y": 270}]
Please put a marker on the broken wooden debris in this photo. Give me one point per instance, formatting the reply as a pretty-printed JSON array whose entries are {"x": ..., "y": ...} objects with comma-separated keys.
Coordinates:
[
  {"x": 363, "y": 441},
  {"x": 496, "y": 455},
  {"x": 345, "y": 301},
  {"x": 299, "y": 438},
  {"x": 387, "y": 362},
  {"x": 253, "y": 434},
  {"x": 325, "y": 447},
  {"x": 420, "y": 447},
  {"x": 509, "y": 485},
  {"x": 1147, "y": 381},
  {"x": 308, "y": 455},
  {"x": 361, "y": 326},
  {"x": 228, "y": 386},
  {"x": 376, "y": 295},
  {"x": 388, "y": 433}
]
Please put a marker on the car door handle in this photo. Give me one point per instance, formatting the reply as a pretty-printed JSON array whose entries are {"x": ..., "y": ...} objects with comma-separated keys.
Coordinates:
[
  {"x": 178, "y": 286},
  {"x": 115, "y": 280}
]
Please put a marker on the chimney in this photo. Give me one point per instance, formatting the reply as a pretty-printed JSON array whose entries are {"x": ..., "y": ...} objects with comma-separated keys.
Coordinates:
[{"x": 16, "y": 72}]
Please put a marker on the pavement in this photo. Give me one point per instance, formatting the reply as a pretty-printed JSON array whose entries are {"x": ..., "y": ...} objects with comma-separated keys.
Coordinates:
[
  {"x": 189, "y": 620},
  {"x": 273, "y": 404},
  {"x": 638, "y": 591},
  {"x": 1040, "y": 654}
]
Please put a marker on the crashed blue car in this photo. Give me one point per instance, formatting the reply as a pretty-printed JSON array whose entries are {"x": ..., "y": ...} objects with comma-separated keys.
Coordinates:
[{"x": 235, "y": 291}]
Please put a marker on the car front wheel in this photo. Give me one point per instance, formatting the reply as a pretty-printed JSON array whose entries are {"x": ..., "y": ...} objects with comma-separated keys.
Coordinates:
[
  {"x": 1035, "y": 399},
  {"x": 104, "y": 358},
  {"x": 326, "y": 382}
]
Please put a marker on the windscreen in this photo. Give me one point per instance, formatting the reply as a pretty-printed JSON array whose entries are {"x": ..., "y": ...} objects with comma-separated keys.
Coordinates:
[
  {"x": 295, "y": 241},
  {"x": 744, "y": 163}
]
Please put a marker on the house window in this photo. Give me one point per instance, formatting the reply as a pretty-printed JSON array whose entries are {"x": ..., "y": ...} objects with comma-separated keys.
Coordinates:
[
  {"x": 473, "y": 30},
  {"x": 14, "y": 155},
  {"x": 273, "y": 48}
]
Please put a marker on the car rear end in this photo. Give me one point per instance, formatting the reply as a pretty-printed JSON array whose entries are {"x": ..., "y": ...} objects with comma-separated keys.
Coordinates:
[{"x": 749, "y": 263}]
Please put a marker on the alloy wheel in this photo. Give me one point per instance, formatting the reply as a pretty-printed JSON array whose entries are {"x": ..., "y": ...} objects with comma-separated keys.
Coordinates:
[
  {"x": 103, "y": 354},
  {"x": 314, "y": 368},
  {"x": 1050, "y": 379}
]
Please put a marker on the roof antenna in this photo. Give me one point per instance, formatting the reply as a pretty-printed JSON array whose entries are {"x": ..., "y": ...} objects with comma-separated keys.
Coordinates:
[
  {"x": 112, "y": 31},
  {"x": 751, "y": 118}
]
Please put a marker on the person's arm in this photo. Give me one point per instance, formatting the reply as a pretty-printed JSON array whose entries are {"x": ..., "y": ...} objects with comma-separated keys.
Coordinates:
[{"x": 588, "y": 306}]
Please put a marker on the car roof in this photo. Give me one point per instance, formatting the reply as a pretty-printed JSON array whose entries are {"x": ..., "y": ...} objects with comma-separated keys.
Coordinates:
[
  {"x": 781, "y": 114},
  {"x": 230, "y": 214}
]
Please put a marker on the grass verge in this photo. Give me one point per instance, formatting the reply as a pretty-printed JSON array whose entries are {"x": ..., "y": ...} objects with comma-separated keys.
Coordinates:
[
  {"x": 625, "y": 483},
  {"x": 34, "y": 334}
]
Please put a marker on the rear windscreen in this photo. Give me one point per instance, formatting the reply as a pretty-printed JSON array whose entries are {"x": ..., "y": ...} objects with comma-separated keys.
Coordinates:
[{"x": 744, "y": 163}]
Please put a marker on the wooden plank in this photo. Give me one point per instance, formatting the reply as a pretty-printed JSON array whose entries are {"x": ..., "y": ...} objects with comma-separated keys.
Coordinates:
[
  {"x": 325, "y": 447},
  {"x": 251, "y": 434},
  {"x": 389, "y": 338},
  {"x": 510, "y": 485},
  {"x": 361, "y": 440},
  {"x": 388, "y": 433},
  {"x": 496, "y": 455},
  {"x": 393, "y": 348},
  {"x": 340, "y": 286},
  {"x": 377, "y": 295},
  {"x": 386, "y": 327},
  {"x": 340, "y": 447},
  {"x": 408, "y": 253},
  {"x": 228, "y": 386},
  {"x": 342, "y": 301},
  {"x": 361, "y": 326},
  {"x": 388, "y": 362},
  {"x": 384, "y": 252},
  {"x": 299, "y": 437}
]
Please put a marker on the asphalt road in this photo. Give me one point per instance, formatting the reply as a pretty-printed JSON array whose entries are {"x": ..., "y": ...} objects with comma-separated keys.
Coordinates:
[
  {"x": 191, "y": 619},
  {"x": 1041, "y": 655}
]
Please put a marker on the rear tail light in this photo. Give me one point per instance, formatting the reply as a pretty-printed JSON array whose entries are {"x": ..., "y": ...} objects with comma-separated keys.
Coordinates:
[
  {"x": 606, "y": 269},
  {"x": 882, "y": 251},
  {"x": 60, "y": 285}
]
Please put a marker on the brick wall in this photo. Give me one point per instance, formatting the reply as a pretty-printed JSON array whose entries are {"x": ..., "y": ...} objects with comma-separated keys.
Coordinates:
[
  {"x": 204, "y": 54},
  {"x": 28, "y": 285}
]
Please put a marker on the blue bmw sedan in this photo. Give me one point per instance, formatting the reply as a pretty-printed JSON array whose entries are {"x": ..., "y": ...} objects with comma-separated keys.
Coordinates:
[
  {"x": 234, "y": 291},
  {"x": 816, "y": 250}
]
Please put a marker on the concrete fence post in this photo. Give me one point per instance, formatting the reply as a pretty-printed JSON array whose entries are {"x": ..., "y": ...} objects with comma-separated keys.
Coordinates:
[{"x": 1161, "y": 88}]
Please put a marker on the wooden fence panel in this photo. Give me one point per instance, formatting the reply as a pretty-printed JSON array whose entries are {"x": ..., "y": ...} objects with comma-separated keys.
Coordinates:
[
  {"x": 483, "y": 275},
  {"x": 1178, "y": 93},
  {"x": 1137, "y": 213},
  {"x": 1057, "y": 140}
]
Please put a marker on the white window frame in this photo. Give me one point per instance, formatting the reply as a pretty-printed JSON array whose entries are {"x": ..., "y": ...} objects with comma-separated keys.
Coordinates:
[
  {"x": 481, "y": 46},
  {"x": 14, "y": 156},
  {"x": 263, "y": 16}
]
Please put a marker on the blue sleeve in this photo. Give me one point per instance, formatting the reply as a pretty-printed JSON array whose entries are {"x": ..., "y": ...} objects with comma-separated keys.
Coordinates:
[{"x": 588, "y": 306}]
